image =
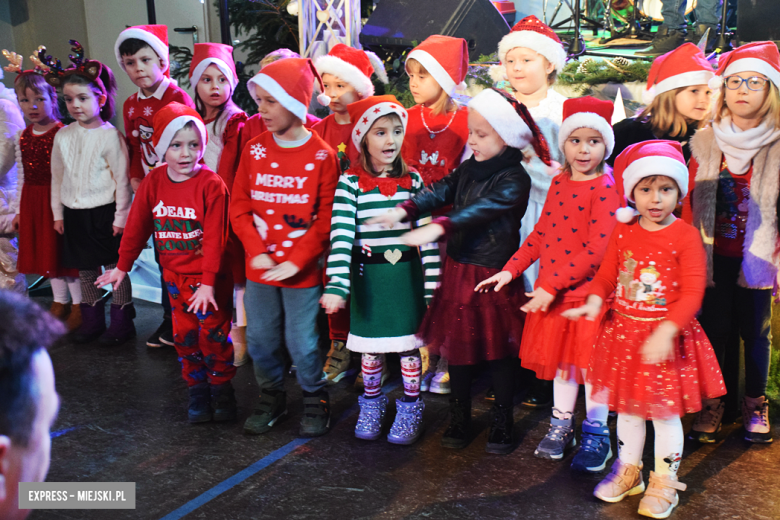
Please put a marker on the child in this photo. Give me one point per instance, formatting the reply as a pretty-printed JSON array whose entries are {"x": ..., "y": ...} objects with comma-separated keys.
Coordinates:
[
  {"x": 436, "y": 138},
  {"x": 91, "y": 193},
  {"x": 388, "y": 283},
  {"x": 281, "y": 209},
  {"x": 677, "y": 99},
  {"x": 11, "y": 123},
  {"x": 40, "y": 247},
  {"x": 652, "y": 359},
  {"x": 142, "y": 52},
  {"x": 488, "y": 193},
  {"x": 346, "y": 76},
  {"x": 185, "y": 205},
  {"x": 569, "y": 241},
  {"x": 213, "y": 76},
  {"x": 735, "y": 164}
]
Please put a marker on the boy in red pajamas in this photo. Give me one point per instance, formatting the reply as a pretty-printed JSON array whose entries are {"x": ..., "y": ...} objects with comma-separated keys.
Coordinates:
[{"x": 185, "y": 205}]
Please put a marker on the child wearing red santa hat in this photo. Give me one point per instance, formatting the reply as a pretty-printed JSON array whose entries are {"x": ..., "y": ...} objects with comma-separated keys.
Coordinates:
[{"x": 652, "y": 360}]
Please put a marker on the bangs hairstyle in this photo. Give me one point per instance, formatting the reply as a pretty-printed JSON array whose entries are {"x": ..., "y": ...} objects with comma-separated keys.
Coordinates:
[
  {"x": 664, "y": 118},
  {"x": 650, "y": 179},
  {"x": 769, "y": 110},
  {"x": 37, "y": 84},
  {"x": 442, "y": 105},
  {"x": 399, "y": 168},
  {"x": 132, "y": 45},
  {"x": 278, "y": 54},
  {"x": 107, "y": 77},
  {"x": 200, "y": 106}
]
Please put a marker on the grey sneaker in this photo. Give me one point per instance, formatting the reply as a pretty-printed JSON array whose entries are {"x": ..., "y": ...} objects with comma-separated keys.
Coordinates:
[
  {"x": 407, "y": 426},
  {"x": 316, "y": 414},
  {"x": 441, "y": 381},
  {"x": 271, "y": 408},
  {"x": 559, "y": 437},
  {"x": 596, "y": 449},
  {"x": 372, "y": 416},
  {"x": 708, "y": 421}
]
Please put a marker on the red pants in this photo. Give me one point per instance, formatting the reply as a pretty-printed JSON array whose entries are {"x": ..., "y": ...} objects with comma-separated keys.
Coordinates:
[
  {"x": 338, "y": 323},
  {"x": 201, "y": 340}
]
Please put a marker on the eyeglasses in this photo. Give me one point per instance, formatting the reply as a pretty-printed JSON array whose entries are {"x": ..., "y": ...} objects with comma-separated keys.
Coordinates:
[{"x": 754, "y": 83}]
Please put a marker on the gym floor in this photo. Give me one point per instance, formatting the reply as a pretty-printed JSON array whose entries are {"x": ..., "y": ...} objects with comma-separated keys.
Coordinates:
[{"x": 123, "y": 419}]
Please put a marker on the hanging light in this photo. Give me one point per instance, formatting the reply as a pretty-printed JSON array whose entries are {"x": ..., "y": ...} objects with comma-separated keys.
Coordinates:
[{"x": 292, "y": 8}]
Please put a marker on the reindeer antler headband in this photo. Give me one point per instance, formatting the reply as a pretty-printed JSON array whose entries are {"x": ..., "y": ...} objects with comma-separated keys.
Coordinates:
[
  {"x": 15, "y": 64},
  {"x": 90, "y": 69}
]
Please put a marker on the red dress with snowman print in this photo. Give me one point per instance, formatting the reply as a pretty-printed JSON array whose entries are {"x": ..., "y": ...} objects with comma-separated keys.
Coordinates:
[{"x": 656, "y": 276}]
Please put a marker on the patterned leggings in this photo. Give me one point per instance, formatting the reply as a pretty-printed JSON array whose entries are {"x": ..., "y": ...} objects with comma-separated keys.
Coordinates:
[{"x": 91, "y": 293}]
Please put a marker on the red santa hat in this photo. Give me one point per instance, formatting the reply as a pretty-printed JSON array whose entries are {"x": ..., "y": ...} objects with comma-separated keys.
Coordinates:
[
  {"x": 511, "y": 120},
  {"x": 352, "y": 66},
  {"x": 368, "y": 110},
  {"x": 532, "y": 34},
  {"x": 645, "y": 159},
  {"x": 447, "y": 60},
  {"x": 169, "y": 120},
  {"x": 588, "y": 112},
  {"x": 683, "y": 67},
  {"x": 218, "y": 54},
  {"x": 291, "y": 83},
  {"x": 761, "y": 57},
  {"x": 155, "y": 35}
]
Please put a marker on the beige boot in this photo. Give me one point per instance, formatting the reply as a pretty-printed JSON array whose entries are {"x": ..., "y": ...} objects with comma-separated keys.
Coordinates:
[
  {"x": 707, "y": 423},
  {"x": 755, "y": 419},
  {"x": 238, "y": 335},
  {"x": 624, "y": 480},
  {"x": 337, "y": 363},
  {"x": 661, "y": 496},
  {"x": 60, "y": 310},
  {"x": 74, "y": 318}
]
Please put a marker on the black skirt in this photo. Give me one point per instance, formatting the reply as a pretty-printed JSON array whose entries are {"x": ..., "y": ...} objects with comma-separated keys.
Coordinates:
[{"x": 89, "y": 240}]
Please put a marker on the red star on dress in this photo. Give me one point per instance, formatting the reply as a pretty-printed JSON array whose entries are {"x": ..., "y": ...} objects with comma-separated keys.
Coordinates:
[
  {"x": 357, "y": 133},
  {"x": 365, "y": 120},
  {"x": 377, "y": 110}
]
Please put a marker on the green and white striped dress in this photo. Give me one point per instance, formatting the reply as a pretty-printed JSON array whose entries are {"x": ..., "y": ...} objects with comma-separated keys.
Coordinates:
[{"x": 390, "y": 283}]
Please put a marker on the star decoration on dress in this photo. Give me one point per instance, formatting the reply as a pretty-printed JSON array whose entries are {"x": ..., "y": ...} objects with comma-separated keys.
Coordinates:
[
  {"x": 257, "y": 151},
  {"x": 148, "y": 111}
]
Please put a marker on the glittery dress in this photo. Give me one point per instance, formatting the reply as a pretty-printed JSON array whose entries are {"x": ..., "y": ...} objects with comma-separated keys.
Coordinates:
[
  {"x": 656, "y": 276},
  {"x": 40, "y": 247}
]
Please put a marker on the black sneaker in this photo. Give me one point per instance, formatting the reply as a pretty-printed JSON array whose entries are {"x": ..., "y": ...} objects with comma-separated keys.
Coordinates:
[
  {"x": 457, "y": 434},
  {"x": 162, "y": 336},
  {"x": 224, "y": 399},
  {"x": 271, "y": 408},
  {"x": 490, "y": 395},
  {"x": 540, "y": 395},
  {"x": 316, "y": 414},
  {"x": 666, "y": 40},
  {"x": 500, "y": 436},
  {"x": 199, "y": 409}
]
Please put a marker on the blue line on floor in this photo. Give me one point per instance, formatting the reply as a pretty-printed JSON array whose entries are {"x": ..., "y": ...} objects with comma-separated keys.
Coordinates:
[
  {"x": 60, "y": 433},
  {"x": 255, "y": 468}
]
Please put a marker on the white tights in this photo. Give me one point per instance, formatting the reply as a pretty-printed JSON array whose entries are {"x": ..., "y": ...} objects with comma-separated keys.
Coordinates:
[
  {"x": 64, "y": 284},
  {"x": 668, "y": 442},
  {"x": 565, "y": 399}
]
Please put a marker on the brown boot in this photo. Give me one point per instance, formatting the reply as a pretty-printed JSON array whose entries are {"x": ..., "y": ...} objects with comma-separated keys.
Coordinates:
[
  {"x": 74, "y": 318},
  {"x": 60, "y": 310}
]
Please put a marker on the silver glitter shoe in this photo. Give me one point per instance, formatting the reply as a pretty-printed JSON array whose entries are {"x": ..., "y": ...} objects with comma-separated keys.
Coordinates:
[
  {"x": 407, "y": 426},
  {"x": 372, "y": 415}
]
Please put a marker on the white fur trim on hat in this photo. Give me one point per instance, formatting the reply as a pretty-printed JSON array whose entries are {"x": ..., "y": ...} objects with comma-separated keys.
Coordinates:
[
  {"x": 753, "y": 65},
  {"x": 545, "y": 46},
  {"x": 503, "y": 117},
  {"x": 173, "y": 127},
  {"x": 221, "y": 65},
  {"x": 270, "y": 85},
  {"x": 654, "y": 165},
  {"x": 438, "y": 72},
  {"x": 347, "y": 72},
  {"x": 587, "y": 120},
  {"x": 376, "y": 111},
  {"x": 154, "y": 42},
  {"x": 686, "y": 79},
  {"x": 379, "y": 67}
]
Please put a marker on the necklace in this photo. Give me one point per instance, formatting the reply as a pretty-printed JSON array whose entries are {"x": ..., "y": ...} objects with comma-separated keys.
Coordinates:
[{"x": 431, "y": 133}]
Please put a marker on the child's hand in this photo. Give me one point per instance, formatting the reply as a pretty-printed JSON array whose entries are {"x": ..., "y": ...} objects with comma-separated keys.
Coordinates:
[
  {"x": 118, "y": 230},
  {"x": 263, "y": 261},
  {"x": 201, "y": 299},
  {"x": 281, "y": 272},
  {"x": 590, "y": 310},
  {"x": 59, "y": 226},
  {"x": 540, "y": 300},
  {"x": 113, "y": 277},
  {"x": 332, "y": 303},
  {"x": 500, "y": 279},
  {"x": 15, "y": 223},
  {"x": 659, "y": 347},
  {"x": 424, "y": 235},
  {"x": 134, "y": 183},
  {"x": 393, "y": 216}
]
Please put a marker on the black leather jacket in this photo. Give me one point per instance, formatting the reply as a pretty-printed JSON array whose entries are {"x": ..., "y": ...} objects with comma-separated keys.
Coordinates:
[{"x": 489, "y": 199}]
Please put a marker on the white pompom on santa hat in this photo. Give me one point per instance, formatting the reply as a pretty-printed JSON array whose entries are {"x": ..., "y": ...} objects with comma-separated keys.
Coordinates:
[
  {"x": 532, "y": 33},
  {"x": 685, "y": 66},
  {"x": 645, "y": 159},
  {"x": 445, "y": 58},
  {"x": 368, "y": 110},
  {"x": 588, "y": 112},
  {"x": 218, "y": 54},
  {"x": 761, "y": 57},
  {"x": 154, "y": 35},
  {"x": 291, "y": 82},
  {"x": 169, "y": 120},
  {"x": 352, "y": 66}
]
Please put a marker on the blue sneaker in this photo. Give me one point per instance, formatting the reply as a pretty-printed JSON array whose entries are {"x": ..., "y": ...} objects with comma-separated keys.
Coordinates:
[
  {"x": 559, "y": 437},
  {"x": 372, "y": 416},
  {"x": 596, "y": 449},
  {"x": 407, "y": 426}
]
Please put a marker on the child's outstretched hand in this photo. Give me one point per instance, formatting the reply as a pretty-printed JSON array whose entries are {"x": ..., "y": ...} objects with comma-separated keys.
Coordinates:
[
  {"x": 59, "y": 226},
  {"x": 500, "y": 279},
  {"x": 201, "y": 299},
  {"x": 113, "y": 277},
  {"x": 540, "y": 301},
  {"x": 263, "y": 261},
  {"x": 659, "y": 347},
  {"x": 590, "y": 310},
  {"x": 281, "y": 272},
  {"x": 332, "y": 303},
  {"x": 393, "y": 216},
  {"x": 423, "y": 235}
]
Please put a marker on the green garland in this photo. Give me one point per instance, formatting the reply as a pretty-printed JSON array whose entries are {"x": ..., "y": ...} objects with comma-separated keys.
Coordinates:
[{"x": 597, "y": 72}]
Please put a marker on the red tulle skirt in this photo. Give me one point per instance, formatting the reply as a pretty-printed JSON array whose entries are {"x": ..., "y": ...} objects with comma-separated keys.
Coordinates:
[
  {"x": 40, "y": 247},
  {"x": 467, "y": 327},
  {"x": 669, "y": 389},
  {"x": 552, "y": 342}
]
